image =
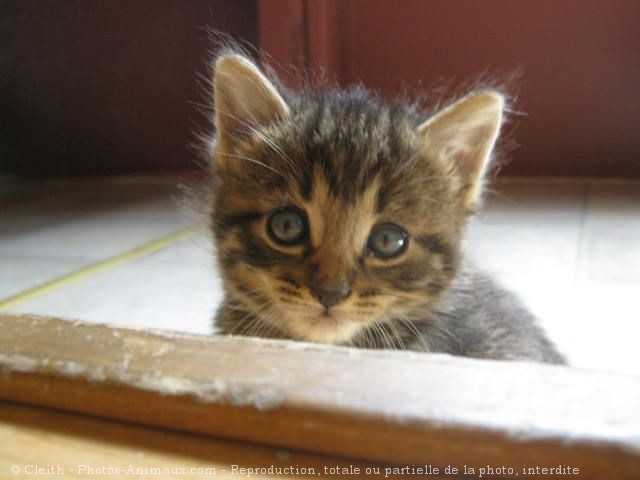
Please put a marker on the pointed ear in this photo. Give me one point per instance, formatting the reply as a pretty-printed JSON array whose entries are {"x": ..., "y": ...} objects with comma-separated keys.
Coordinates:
[
  {"x": 244, "y": 101},
  {"x": 464, "y": 135}
]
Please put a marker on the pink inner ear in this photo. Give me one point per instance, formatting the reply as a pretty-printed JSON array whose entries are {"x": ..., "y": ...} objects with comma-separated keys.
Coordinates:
[
  {"x": 245, "y": 99},
  {"x": 467, "y": 149},
  {"x": 465, "y": 133},
  {"x": 472, "y": 161}
]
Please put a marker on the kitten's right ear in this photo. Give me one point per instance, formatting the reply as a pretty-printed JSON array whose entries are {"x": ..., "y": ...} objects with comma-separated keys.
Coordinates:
[
  {"x": 464, "y": 135},
  {"x": 244, "y": 101}
]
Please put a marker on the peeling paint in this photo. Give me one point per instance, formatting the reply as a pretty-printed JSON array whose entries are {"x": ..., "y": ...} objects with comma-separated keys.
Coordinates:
[
  {"x": 68, "y": 368},
  {"x": 126, "y": 359},
  {"x": 18, "y": 363},
  {"x": 165, "y": 348},
  {"x": 213, "y": 391},
  {"x": 267, "y": 399}
]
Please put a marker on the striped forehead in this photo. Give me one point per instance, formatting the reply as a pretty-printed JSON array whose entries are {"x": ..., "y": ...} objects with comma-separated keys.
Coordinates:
[{"x": 341, "y": 220}]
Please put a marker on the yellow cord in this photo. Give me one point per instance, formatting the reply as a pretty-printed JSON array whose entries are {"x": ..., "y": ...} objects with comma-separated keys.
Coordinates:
[{"x": 70, "y": 277}]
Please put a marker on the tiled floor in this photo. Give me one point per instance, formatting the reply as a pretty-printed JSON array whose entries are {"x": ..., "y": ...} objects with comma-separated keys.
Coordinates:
[{"x": 570, "y": 248}]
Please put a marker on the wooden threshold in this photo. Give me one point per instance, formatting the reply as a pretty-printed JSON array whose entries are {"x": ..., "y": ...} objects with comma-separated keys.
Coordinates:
[
  {"x": 44, "y": 443},
  {"x": 379, "y": 406}
]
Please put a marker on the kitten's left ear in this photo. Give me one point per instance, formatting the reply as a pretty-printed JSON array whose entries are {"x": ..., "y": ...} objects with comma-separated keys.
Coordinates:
[
  {"x": 464, "y": 135},
  {"x": 245, "y": 100}
]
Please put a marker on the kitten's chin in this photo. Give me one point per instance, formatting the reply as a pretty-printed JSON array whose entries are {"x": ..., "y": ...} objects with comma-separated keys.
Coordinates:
[{"x": 314, "y": 326}]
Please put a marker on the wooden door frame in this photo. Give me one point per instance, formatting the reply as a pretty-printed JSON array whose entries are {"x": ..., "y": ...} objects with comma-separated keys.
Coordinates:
[{"x": 306, "y": 35}]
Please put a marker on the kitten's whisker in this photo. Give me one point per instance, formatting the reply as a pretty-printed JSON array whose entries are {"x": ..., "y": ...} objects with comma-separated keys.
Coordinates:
[
  {"x": 266, "y": 318},
  {"x": 270, "y": 319},
  {"x": 388, "y": 336},
  {"x": 385, "y": 336},
  {"x": 253, "y": 325},
  {"x": 377, "y": 338},
  {"x": 387, "y": 321},
  {"x": 257, "y": 162},
  {"x": 251, "y": 316},
  {"x": 369, "y": 339},
  {"x": 240, "y": 326},
  {"x": 257, "y": 326},
  {"x": 364, "y": 337},
  {"x": 406, "y": 297},
  {"x": 413, "y": 329},
  {"x": 395, "y": 331},
  {"x": 243, "y": 324}
]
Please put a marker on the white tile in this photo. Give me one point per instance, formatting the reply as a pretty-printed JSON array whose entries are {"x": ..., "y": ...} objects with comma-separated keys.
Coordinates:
[
  {"x": 611, "y": 246},
  {"x": 529, "y": 231},
  {"x": 597, "y": 326},
  {"x": 91, "y": 224},
  {"x": 532, "y": 202},
  {"x": 161, "y": 291},
  {"x": 523, "y": 251},
  {"x": 19, "y": 274}
]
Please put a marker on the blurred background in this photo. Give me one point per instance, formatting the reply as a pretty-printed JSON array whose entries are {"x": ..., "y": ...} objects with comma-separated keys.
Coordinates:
[
  {"x": 99, "y": 102},
  {"x": 106, "y": 87}
]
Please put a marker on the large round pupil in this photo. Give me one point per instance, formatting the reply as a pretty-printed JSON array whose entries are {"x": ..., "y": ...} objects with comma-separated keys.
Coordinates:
[{"x": 287, "y": 226}]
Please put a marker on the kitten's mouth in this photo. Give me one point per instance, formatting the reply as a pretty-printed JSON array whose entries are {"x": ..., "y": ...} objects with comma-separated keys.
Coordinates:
[
  {"x": 315, "y": 323},
  {"x": 330, "y": 318},
  {"x": 326, "y": 313},
  {"x": 320, "y": 315}
]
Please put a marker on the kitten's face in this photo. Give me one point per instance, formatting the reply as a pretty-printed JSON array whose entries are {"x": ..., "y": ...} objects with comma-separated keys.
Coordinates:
[{"x": 334, "y": 217}]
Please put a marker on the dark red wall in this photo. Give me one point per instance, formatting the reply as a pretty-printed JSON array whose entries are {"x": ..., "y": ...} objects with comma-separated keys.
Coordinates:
[
  {"x": 103, "y": 87},
  {"x": 580, "y": 62}
]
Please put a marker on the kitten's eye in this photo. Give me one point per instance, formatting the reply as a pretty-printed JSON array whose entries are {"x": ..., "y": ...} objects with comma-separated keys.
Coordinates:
[
  {"x": 287, "y": 226},
  {"x": 387, "y": 240}
]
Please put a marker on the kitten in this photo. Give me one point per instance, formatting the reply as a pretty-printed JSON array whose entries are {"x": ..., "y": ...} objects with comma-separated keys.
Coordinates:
[{"x": 338, "y": 218}]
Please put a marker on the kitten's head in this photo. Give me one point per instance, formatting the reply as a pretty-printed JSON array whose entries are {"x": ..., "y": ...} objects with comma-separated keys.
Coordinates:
[{"x": 336, "y": 212}]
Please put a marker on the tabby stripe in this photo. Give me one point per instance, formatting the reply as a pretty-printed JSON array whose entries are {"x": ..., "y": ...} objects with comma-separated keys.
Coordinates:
[
  {"x": 434, "y": 243},
  {"x": 242, "y": 218}
]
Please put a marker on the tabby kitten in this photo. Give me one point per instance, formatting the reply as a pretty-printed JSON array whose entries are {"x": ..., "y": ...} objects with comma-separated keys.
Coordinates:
[{"x": 338, "y": 218}]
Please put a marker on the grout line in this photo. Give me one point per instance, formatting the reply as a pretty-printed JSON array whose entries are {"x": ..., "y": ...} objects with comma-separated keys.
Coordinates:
[
  {"x": 580, "y": 267},
  {"x": 142, "y": 250}
]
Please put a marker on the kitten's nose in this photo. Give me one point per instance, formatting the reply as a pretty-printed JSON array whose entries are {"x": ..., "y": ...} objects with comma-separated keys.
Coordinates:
[{"x": 330, "y": 295}]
